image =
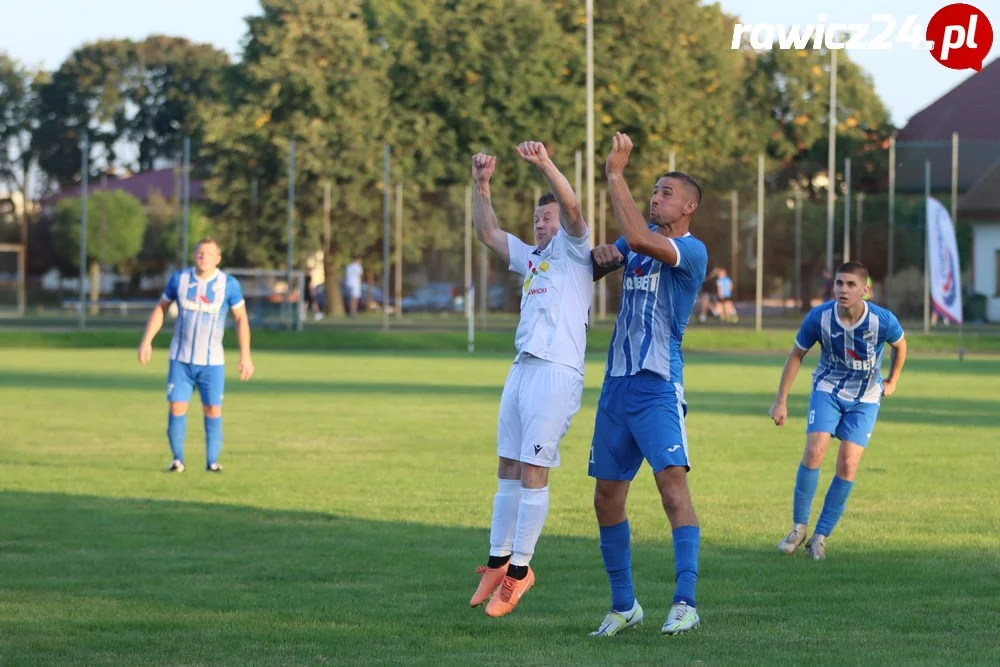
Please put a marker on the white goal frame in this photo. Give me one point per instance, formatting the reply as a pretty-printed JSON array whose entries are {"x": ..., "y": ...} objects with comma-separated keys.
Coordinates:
[{"x": 271, "y": 285}]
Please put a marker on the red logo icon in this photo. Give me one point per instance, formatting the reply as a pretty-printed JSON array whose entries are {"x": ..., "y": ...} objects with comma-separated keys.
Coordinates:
[{"x": 961, "y": 36}]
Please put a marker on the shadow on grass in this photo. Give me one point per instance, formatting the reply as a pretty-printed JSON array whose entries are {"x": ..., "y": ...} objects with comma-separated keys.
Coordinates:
[{"x": 91, "y": 580}]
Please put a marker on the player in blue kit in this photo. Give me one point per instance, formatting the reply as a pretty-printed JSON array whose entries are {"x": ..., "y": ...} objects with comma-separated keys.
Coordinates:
[
  {"x": 204, "y": 295},
  {"x": 640, "y": 414},
  {"x": 847, "y": 389}
]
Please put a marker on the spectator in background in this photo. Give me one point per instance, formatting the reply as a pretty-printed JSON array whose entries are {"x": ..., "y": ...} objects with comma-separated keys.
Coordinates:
[{"x": 352, "y": 283}]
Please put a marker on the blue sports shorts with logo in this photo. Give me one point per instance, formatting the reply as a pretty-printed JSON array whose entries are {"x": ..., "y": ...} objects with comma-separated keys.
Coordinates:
[
  {"x": 183, "y": 378},
  {"x": 639, "y": 417},
  {"x": 852, "y": 421}
]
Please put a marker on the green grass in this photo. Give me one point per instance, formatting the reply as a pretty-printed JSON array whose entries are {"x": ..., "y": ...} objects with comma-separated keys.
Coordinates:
[
  {"x": 368, "y": 336},
  {"x": 355, "y": 507}
]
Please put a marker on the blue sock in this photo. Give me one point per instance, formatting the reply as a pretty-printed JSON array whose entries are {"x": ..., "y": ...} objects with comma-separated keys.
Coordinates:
[
  {"x": 213, "y": 439},
  {"x": 833, "y": 506},
  {"x": 687, "y": 539},
  {"x": 805, "y": 490},
  {"x": 617, "y": 555},
  {"x": 176, "y": 430}
]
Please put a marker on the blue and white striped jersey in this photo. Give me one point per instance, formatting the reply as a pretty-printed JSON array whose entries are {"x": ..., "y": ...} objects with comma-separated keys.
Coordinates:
[
  {"x": 201, "y": 315},
  {"x": 656, "y": 304},
  {"x": 850, "y": 364}
]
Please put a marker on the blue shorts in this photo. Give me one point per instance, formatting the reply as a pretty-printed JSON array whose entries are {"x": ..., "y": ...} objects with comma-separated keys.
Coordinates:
[
  {"x": 638, "y": 417},
  {"x": 852, "y": 421},
  {"x": 183, "y": 378}
]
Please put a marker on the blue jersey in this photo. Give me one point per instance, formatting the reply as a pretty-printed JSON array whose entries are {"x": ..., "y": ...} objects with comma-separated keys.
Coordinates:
[
  {"x": 850, "y": 365},
  {"x": 725, "y": 287},
  {"x": 657, "y": 300},
  {"x": 201, "y": 315}
]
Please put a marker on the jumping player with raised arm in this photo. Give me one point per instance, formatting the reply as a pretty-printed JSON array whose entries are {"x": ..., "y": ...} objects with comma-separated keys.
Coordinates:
[
  {"x": 544, "y": 387},
  {"x": 640, "y": 414}
]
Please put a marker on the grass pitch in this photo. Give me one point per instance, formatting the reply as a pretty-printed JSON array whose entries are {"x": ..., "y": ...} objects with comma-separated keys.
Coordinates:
[{"x": 355, "y": 506}]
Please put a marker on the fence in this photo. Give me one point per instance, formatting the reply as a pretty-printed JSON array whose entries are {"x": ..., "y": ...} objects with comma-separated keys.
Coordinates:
[{"x": 778, "y": 260}]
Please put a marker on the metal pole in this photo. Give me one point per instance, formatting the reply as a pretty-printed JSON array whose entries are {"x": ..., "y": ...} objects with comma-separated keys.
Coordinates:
[
  {"x": 671, "y": 161},
  {"x": 291, "y": 230},
  {"x": 399, "y": 250},
  {"x": 847, "y": 210},
  {"x": 253, "y": 209},
  {"x": 329, "y": 280},
  {"x": 84, "y": 167},
  {"x": 602, "y": 289},
  {"x": 484, "y": 286},
  {"x": 798, "y": 247},
  {"x": 386, "y": 205},
  {"x": 760, "y": 240},
  {"x": 579, "y": 174},
  {"x": 954, "y": 222},
  {"x": 892, "y": 220},
  {"x": 860, "y": 206},
  {"x": 185, "y": 206},
  {"x": 590, "y": 137},
  {"x": 104, "y": 227},
  {"x": 927, "y": 249},
  {"x": 831, "y": 165},
  {"x": 734, "y": 247},
  {"x": 469, "y": 312}
]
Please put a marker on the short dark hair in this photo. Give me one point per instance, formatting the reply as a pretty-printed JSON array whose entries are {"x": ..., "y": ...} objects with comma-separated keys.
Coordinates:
[
  {"x": 547, "y": 198},
  {"x": 687, "y": 178},
  {"x": 856, "y": 268}
]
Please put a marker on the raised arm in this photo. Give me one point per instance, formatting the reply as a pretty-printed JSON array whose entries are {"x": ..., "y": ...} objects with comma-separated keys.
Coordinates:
[
  {"x": 483, "y": 217},
  {"x": 779, "y": 411},
  {"x": 570, "y": 217},
  {"x": 634, "y": 228}
]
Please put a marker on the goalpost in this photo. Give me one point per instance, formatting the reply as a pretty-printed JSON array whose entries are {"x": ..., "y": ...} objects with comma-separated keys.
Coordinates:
[
  {"x": 12, "y": 282},
  {"x": 273, "y": 301}
]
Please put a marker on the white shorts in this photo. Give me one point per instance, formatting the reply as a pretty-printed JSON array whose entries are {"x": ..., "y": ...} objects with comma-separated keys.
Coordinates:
[{"x": 539, "y": 401}]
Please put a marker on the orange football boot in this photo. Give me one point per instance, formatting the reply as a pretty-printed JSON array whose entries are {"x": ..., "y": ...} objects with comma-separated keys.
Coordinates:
[
  {"x": 489, "y": 581},
  {"x": 509, "y": 594}
]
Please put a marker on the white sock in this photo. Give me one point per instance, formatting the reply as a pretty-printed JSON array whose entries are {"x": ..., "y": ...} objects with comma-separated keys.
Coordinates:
[
  {"x": 505, "y": 504},
  {"x": 530, "y": 520}
]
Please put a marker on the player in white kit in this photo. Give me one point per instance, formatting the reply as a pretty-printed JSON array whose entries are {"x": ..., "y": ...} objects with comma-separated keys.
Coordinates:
[{"x": 545, "y": 384}]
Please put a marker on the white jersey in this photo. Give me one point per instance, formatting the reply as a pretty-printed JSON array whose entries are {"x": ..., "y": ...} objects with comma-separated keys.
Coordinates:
[{"x": 555, "y": 298}]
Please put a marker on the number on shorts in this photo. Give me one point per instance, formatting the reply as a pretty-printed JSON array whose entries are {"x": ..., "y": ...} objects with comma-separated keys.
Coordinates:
[{"x": 812, "y": 416}]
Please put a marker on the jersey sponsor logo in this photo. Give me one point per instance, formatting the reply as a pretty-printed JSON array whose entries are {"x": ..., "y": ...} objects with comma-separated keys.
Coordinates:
[
  {"x": 187, "y": 304},
  {"x": 538, "y": 290},
  {"x": 856, "y": 363},
  {"x": 641, "y": 283},
  {"x": 533, "y": 270}
]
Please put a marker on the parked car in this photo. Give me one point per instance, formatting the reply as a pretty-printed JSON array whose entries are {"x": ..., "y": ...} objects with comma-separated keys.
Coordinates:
[{"x": 436, "y": 297}]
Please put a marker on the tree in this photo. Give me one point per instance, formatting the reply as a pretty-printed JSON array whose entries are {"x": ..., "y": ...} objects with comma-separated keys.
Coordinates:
[
  {"x": 310, "y": 71},
  {"x": 123, "y": 93},
  {"x": 162, "y": 242},
  {"x": 667, "y": 76},
  {"x": 464, "y": 77},
  {"x": 18, "y": 113},
  {"x": 116, "y": 224},
  {"x": 792, "y": 88}
]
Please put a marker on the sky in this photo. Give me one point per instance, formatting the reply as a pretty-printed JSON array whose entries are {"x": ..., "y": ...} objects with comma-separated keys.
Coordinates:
[{"x": 44, "y": 32}]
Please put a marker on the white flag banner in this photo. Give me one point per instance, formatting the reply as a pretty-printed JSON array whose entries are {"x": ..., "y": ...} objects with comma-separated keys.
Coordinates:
[{"x": 946, "y": 285}]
